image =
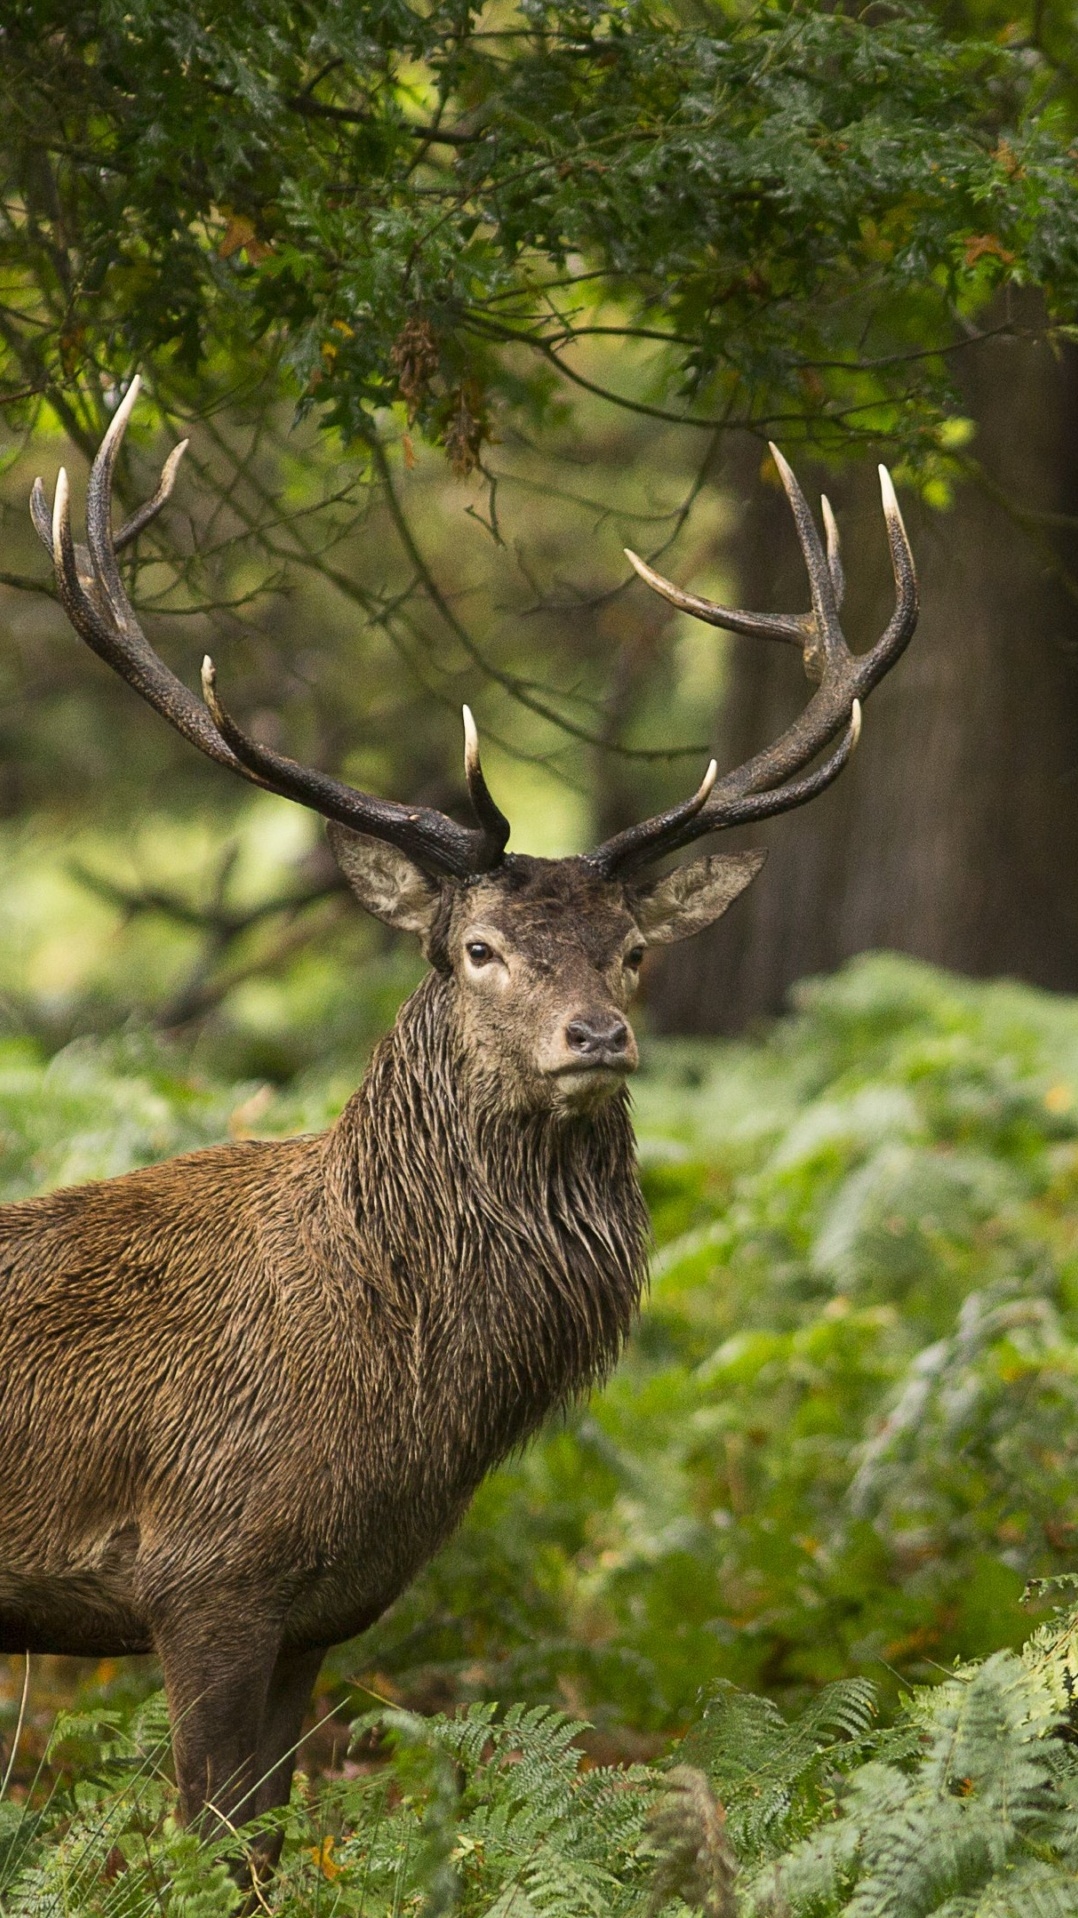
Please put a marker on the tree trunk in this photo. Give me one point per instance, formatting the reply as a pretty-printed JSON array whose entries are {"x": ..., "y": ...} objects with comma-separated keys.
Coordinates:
[{"x": 953, "y": 835}]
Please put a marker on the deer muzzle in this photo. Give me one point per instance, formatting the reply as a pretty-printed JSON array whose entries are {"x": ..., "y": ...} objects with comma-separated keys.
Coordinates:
[
  {"x": 597, "y": 1049},
  {"x": 601, "y": 1041}
]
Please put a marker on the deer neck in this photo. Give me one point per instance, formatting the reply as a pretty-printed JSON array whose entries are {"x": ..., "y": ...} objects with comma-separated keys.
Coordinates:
[{"x": 508, "y": 1248}]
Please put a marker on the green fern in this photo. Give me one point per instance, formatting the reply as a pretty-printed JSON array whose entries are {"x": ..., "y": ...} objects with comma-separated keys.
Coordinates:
[
  {"x": 966, "y": 1808},
  {"x": 522, "y": 1827},
  {"x": 981, "y": 1818},
  {"x": 696, "y": 1862},
  {"x": 773, "y": 1776}
]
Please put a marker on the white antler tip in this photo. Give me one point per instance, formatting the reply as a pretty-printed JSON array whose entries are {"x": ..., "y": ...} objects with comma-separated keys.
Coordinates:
[
  {"x": 59, "y": 507},
  {"x": 887, "y": 490},
  {"x": 122, "y": 414},
  {"x": 471, "y": 739},
  {"x": 169, "y": 470},
  {"x": 855, "y": 723},
  {"x": 209, "y": 677},
  {"x": 783, "y": 464},
  {"x": 650, "y": 577},
  {"x": 709, "y": 778}
]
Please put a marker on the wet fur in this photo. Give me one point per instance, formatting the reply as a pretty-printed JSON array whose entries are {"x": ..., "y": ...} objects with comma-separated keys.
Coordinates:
[
  {"x": 245, "y": 1395},
  {"x": 248, "y": 1392}
]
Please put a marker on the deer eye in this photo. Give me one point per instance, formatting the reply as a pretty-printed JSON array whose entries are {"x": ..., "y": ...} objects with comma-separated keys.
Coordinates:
[
  {"x": 634, "y": 958},
  {"x": 479, "y": 952}
]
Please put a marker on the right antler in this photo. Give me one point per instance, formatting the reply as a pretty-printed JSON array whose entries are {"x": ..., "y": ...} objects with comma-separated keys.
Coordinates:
[
  {"x": 96, "y": 602},
  {"x": 768, "y": 782}
]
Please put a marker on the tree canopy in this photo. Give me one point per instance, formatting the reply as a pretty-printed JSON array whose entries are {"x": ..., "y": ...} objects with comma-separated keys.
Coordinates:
[{"x": 801, "y": 213}]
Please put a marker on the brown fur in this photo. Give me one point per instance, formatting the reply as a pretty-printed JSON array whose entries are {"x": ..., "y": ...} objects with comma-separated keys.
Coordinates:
[{"x": 247, "y": 1393}]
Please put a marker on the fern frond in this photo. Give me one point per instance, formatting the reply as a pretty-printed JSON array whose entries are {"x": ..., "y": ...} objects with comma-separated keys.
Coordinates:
[
  {"x": 688, "y": 1830},
  {"x": 1031, "y": 1890},
  {"x": 768, "y": 1771}
]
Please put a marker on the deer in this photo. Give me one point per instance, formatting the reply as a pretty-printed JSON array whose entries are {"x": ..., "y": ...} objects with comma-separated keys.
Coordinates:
[{"x": 248, "y": 1392}]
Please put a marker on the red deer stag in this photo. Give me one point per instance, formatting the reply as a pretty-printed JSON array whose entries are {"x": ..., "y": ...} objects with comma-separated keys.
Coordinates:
[{"x": 248, "y": 1393}]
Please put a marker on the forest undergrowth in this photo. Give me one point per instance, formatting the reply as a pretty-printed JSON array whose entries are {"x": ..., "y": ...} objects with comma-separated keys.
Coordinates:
[{"x": 777, "y": 1565}]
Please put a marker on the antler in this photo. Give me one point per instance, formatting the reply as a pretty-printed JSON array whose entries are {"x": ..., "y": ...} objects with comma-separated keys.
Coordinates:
[
  {"x": 95, "y": 601},
  {"x": 767, "y": 783}
]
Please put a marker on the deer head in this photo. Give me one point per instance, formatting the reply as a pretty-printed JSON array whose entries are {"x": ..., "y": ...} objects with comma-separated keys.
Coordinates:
[{"x": 543, "y": 956}]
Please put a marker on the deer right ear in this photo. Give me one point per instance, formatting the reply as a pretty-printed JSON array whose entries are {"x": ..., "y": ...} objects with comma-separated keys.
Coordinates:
[
  {"x": 691, "y": 897},
  {"x": 386, "y": 882}
]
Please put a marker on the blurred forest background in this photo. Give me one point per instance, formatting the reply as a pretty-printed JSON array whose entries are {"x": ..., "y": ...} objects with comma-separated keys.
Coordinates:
[{"x": 453, "y": 303}]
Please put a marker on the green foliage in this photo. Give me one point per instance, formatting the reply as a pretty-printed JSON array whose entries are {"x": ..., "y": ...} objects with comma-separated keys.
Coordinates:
[
  {"x": 774, "y": 1778},
  {"x": 496, "y": 1811},
  {"x": 391, "y": 202},
  {"x": 98, "y": 1109},
  {"x": 982, "y": 1821},
  {"x": 968, "y": 1805},
  {"x": 427, "y": 221}
]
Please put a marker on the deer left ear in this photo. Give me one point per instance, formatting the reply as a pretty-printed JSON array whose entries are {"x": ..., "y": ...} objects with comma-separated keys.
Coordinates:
[
  {"x": 691, "y": 897},
  {"x": 386, "y": 881}
]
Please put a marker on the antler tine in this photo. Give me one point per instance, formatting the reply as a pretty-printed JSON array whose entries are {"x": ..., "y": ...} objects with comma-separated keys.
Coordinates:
[
  {"x": 132, "y": 527},
  {"x": 636, "y": 846},
  {"x": 119, "y": 641},
  {"x": 743, "y": 812},
  {"x": 492, "y": 820},
  {"x": 847, "y": 676},
  {"x": 834, "y": 552},
  {"x": 763, "y": 784},
  {"x": 93, "y": 596},
  {"x": 900, "y": 628},
  {"x": 818, "y": 632},
  {"x": 42, "y": 518},
  {"x": 141, "y": 518},
  {"x": 99, "y": 510},
  {"x": 430, "y": 837},
  {"x": 785, "y": 626},
  {"x": 821, "y": 632},
  {"x": 677, "y": 828}
]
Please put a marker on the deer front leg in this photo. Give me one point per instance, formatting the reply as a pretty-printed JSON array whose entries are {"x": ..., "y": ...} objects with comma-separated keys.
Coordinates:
[
  {"x": 282, "y": 1721},
  {"x": 218, "y": 1668},
  {"x": 286, "y": 1703}
]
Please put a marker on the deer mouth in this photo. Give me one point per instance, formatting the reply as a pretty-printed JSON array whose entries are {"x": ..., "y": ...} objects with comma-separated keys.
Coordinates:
[
  {"x": 601, "y": 1065},
  {"x": 584, "y": 1083},
  {"x": 582, "y": 1086}
]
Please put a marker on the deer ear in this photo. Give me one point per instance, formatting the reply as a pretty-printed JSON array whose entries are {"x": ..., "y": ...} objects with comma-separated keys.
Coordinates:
[
  {"x": 386, "y": 881},
  {"x": 694, "y": 896}
]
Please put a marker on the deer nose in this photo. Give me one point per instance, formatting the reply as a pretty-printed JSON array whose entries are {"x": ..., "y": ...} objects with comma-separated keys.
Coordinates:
[{"x": 597, "y": 1036}]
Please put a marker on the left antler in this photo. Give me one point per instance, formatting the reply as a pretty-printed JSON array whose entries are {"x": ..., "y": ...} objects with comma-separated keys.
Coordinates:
[
  {"x": 95, "y": 600},
  {"x": 768, "y": 783}
]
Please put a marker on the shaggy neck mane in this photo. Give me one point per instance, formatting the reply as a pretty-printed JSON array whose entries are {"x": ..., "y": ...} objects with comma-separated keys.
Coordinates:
[{"x": 510, "y": 1247}]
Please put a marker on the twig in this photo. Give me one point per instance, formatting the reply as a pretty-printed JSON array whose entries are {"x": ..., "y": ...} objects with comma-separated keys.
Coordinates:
[{"x": 10, "y": 1767}]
